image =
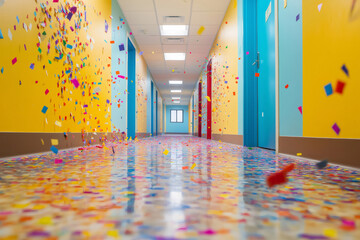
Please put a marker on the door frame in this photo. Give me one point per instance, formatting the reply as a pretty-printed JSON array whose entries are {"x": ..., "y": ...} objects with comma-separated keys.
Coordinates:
[
  {"x": 209, "y": 103},
  {"x": 250, "y": 82}
]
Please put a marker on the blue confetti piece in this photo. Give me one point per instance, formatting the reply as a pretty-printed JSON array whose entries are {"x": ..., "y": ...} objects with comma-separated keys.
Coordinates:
[
  {"x": 298, "y": 17},
  {"x": 32, "y": 66},
  {"x": 69, "y": 46},
  {"x": 44, "y": 109},
  {"x": 54, "y": 149},
  {"x": 141, "y": 53},
  {"x": 106, "y": 26},
  {"x": 17, "y": 18},
  {"x": 328, "y": 89},
  {"x": 2, "y": 70},
  {"x": 121, "y": 47},
  {"x": 1, "y": 35},
  {"x": 345, "y": 70},
  {"x": 69, "y": 16}
]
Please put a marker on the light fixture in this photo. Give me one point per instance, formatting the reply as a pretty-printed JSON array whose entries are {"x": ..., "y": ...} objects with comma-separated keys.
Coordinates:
[
  {"x": 176, "y": 102},
  {"x": 175, "y": 82},
  {"x": 174, "y": 30},
  {"x": 174, "y": 56},
  {"x": 175, "y": 98},
  {"x": 176, "y": 91}
]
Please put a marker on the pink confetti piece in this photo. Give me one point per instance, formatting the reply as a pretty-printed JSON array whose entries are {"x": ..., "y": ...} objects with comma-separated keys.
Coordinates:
[
  {"x": 58, "y": 161},
  {"x": 14, "y": 61},
  {"x": 300, "y": 109},
  {"x": 336, "y": 129},
  {"x": 75, "y": 82}
]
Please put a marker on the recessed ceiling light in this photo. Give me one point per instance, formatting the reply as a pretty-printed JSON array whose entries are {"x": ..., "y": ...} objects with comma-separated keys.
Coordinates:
[
  {"x": 176, "y": 102},
  {"x": 176, "y": 91},
  {"x": 175, "y": 82},
  {"x": 174, "y": 56},
  {"x": 174, "y": 30},
  {"x": 176, "y": 98}
]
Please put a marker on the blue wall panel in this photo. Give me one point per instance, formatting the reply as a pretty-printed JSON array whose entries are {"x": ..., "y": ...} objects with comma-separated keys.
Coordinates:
[
  {"x": 290, "y": 61},
  {"x": 177, "y": 127},
  {"x": 118, "y": 63}
]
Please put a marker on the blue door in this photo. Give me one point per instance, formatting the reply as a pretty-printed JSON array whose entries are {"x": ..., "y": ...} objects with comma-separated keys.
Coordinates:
[
  {"x": 152, "y": 108},
  {"x": 266, "y": 70},
  {"x": 156, "y": 114},
  {"x": 131, "y": 100}
]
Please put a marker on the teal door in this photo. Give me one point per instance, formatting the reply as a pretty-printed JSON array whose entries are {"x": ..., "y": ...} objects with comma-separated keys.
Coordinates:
[
  {"x": 131, "y": 101},
  {"x": 266, "y": 69}
]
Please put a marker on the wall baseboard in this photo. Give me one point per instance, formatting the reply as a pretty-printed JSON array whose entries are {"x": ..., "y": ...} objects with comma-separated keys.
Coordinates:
[
  {"x": 228, "y": 138},
  {"x": 341, "y": 151},
  {"x": 14, "y": 144}
]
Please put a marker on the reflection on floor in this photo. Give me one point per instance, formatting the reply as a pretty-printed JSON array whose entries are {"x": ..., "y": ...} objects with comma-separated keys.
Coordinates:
[{"x": 141, "y": 193}]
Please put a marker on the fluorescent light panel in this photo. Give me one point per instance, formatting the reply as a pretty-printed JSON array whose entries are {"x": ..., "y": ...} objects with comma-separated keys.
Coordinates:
[
  {"x": 176, "y": 91},
  {"x": 174, "y": 56},
  {"x": 175, "y": 98},
  {"x": 175, "y": 82},
  {"x": 174, "y": 30},
  {"x": 176, "y": 101}
]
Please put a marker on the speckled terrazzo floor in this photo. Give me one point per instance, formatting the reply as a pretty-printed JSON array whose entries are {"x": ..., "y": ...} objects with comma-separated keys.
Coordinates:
[{"x": 141, "y": 193}]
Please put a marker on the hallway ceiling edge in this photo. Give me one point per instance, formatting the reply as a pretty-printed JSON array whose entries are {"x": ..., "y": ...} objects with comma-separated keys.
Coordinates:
[{"x": 145, "y": 17}]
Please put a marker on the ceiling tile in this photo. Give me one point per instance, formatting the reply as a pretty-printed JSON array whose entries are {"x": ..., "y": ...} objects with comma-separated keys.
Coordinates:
[
  {"x": 138, "y": 18},
  {"x": 210, "y": 5},
  {"x": 136, "y": 5}
]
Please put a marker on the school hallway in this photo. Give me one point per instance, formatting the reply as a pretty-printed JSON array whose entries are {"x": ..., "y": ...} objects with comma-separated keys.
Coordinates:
[{"x": 179, "y": 119}]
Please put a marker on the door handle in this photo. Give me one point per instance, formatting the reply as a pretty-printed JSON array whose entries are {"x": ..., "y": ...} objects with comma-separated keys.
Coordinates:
[{"x": 257, "y": 61}]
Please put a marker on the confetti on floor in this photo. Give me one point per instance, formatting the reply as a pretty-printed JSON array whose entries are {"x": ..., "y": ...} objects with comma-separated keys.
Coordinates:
[{"x": 139, "y": 193}]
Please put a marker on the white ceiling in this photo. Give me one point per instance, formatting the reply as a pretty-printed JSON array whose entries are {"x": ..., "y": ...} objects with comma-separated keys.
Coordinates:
[{"x": 144, "y": 18}]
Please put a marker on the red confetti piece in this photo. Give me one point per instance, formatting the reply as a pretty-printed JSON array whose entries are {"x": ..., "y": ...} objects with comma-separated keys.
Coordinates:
[{"x": 340, "y": 87}]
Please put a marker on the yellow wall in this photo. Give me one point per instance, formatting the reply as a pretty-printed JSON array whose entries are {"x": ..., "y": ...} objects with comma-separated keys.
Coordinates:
[
  {"x": 21, "y": 104},
  {"x": 141, "y": 94},
  {"x": 224, "y": 53},
  {"x": 330, "y": 39}
]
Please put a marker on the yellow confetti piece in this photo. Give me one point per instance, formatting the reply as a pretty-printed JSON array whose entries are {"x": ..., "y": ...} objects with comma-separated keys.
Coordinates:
[
  {"x": 200, "y": 115},
  {"x": 45, "y": 221},
  {"x": 299, "y": 154},
  {"x": 19, "y": 205},
  {"x": 39, "y": 207},
  {"x": 54, "y": 142},
  {"x": 42, "y": 142},
  {"x": 330, "y": 233},
  {"x": 57, "y": 123},
  {"x": 208, "y": 98},
  {"x": 113, "y": 233},
  {"x": 201, "y": 30},
  {"x": 193, "y": 166},
  {"x": 215, "y": 212},
  {"x": 86, "y": 233},
  {"x": 166, "y": 152}
]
